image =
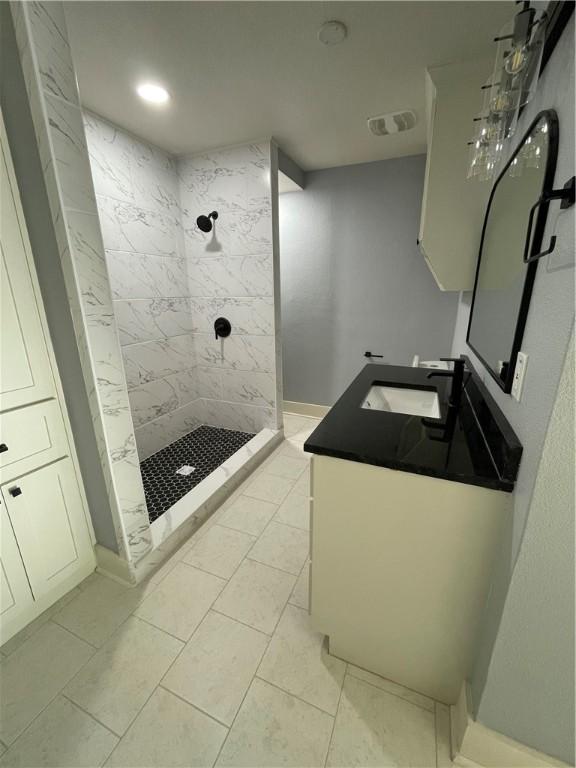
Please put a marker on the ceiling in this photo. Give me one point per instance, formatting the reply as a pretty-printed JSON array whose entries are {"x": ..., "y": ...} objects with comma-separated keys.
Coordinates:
[{"x": 240, "y": 71}]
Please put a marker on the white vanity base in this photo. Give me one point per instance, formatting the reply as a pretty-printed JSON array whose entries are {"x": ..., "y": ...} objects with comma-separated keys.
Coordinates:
[{"x": 400, "y": 570}]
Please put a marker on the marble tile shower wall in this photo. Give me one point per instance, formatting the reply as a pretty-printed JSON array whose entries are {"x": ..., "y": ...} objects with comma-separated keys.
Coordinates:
[
  {"x": 138, "y": 202},
  {"x": 231, "y": 274},
  {"x": 55, "y": 107}
]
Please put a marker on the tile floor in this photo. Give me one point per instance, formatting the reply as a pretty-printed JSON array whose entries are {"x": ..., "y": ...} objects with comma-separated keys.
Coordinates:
[{"x": 212, "y": 661}]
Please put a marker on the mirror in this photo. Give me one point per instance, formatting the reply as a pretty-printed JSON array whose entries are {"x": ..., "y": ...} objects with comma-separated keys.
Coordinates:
[{"x": 503, "y": 281}]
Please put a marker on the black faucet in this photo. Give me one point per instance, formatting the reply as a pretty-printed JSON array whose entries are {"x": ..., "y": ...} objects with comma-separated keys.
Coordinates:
[{"x": 457, "y": 376}]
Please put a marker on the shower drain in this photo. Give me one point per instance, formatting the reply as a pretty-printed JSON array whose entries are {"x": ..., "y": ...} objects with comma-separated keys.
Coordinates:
[{"x": 185, "y": 470}]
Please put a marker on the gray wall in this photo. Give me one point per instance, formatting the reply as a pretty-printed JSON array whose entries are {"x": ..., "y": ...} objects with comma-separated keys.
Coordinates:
[
  {"x": 520, "y": 703},
  {"x": 23, "y": 148},
  {"x": 352, "y": 278}
]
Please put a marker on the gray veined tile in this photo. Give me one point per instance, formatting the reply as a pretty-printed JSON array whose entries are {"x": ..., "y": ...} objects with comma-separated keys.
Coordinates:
[
  {"x": 248, "y": 515},
  {"x": 181, "y": 600},
  {"x": 273, "y": 728},
  {"x": 169, "y": 732},
  {"x": 222, "y": 276},
  {"x": 297, "y": 661},
  {"x": 73, "y": 168},
  {"x": 88, "y": 253},
  {"x": 52, "y": 49},
  {"x": 269, "y": 488},
  {"x": 35, "y": 673},
  {"x": 152, "y": 399},
  {"x": 295, "y": 511},
  {"x": 152, "y": 360},
  {"x": 419, "y": 699},
  {"x": 98, "y": 610},
  {"x": 252, "y": 315},
  {"x": 61, "y": 737},
  {"x": 240, "y": 416},
  {"x": 146, "y": 276},
  {"x": 220, "y": 551},
  {"x": 216, "y": 668},
  {"x": 110, "y": 155},
  {"x": 151, "y": 319},
  {"x": 374, "y": 728},
  {"x": 249, "y": 387},
  {"x": 256, "y": 595},
  {"x": 116, "y": 683},
  {"x": 127, "y": 227},
  {"x": 154, "y": 178},
  {"x": 238, "y": 353},
  {"x": 282, "y": 546}
]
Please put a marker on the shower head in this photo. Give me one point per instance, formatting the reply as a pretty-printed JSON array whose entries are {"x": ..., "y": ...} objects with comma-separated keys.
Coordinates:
[{"x": 204, "y": 222}]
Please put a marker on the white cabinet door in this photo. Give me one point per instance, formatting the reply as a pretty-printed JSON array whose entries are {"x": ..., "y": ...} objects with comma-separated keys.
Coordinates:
[
  {"x": 15, "y": 594},
  {"x": 25, "y": 374},
  {"x": 45, "y": 509}
]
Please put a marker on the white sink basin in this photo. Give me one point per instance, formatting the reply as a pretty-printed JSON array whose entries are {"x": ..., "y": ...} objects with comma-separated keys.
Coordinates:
[{"x": 416, "y": 402}]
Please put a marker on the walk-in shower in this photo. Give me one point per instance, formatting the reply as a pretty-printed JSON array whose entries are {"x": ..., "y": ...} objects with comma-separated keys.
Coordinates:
[{"x": 194, "y": 308}]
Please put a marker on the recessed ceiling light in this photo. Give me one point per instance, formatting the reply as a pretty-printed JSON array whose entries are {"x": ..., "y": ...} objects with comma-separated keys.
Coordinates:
[
  {"x": 332, "y": 32},
  {"x": 155, "y": 94}
]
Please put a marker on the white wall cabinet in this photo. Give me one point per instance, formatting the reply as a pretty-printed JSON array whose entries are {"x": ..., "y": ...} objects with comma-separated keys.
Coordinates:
[
  {"x": 46, "y": 539},
  {"x": 453, "y": 207}
]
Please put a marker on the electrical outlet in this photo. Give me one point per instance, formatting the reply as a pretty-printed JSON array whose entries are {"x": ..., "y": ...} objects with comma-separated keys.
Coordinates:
[{"x": 519, "y": 374}]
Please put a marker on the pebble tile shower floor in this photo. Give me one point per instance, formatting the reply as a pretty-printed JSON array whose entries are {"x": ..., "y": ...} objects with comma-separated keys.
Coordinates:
[{"x": 205, "y": 449}]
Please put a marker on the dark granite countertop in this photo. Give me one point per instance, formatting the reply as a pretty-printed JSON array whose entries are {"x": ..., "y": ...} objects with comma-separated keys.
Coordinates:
[{"x": 477, "y": 448}]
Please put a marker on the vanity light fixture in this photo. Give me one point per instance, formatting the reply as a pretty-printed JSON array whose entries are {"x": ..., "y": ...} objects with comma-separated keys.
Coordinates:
[
  {"x": 512, "y": 85},
  {"x": 153, "y": 93}
]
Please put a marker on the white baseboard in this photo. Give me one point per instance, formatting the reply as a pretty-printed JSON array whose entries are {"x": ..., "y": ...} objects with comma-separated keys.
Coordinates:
[
  {"x": 306, "y": 409},
  {"x": 475, "y": 744}
]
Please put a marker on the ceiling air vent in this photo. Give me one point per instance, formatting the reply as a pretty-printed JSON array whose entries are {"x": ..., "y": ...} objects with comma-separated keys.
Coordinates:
[{"x": 393, "y": 122}]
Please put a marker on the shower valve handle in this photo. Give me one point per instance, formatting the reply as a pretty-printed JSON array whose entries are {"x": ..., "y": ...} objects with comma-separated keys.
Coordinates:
[{"x": 222, "y": 327}]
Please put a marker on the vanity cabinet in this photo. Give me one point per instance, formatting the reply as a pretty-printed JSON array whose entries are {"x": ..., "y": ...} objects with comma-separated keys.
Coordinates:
[
  {"x": 46, "y": 537},
  {"x": 453, "y": 207},
  {"x": 400, "y": 570}
]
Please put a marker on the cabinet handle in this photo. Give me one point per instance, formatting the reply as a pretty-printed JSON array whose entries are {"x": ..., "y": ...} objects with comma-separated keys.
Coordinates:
[
  {"x": 3, "y": 447},
  {"x": 15, "y": 491}
]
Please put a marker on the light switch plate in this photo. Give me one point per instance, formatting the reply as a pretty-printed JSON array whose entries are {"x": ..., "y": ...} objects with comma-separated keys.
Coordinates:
[{"x": 519, "y": 374}]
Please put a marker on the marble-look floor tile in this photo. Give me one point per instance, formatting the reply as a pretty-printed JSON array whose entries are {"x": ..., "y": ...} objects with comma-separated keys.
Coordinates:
[
  {"x": 374, "y": 728},
  {"x": 169, "y": 732},
  {"x": 294, "y": 450},
  {"x": 269, "y": 488},
  {"x": 302, "y": 485},
  {"x": 216, "y": 668},
  {"x": 61, "y": 737},
  {"x": 181, "y": 600},
  {"x": 301, "y": 593},
  {"x": 256, "y": 595},
  {"x": 275, "y": 729},
  {"x": 35, "y": 673},
  {"x": 30, "y": 629},
  {"x": 419, "y": 699},
  {"x": 116, "y": 683},
  {"x": 282, "y": 546},
  {"x": 220, "y": 551},
  {"x": 97, "y": 612},
  {"x": 248, "y": 515},
  {"x": 295, "y": 511},
  {"x": 286, "y": 466},
  {"x": 297, "y": 661}
]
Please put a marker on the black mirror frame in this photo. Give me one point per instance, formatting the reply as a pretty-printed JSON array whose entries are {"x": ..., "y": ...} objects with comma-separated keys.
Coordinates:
[{"x": 551, "y": 117}]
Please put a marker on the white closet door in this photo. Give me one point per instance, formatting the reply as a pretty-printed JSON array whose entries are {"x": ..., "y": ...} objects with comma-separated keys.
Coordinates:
[
  {"x": 25, "y": 375},
  {"x": 45, "y": 510},
  {"x": 15, "y": 594}
]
